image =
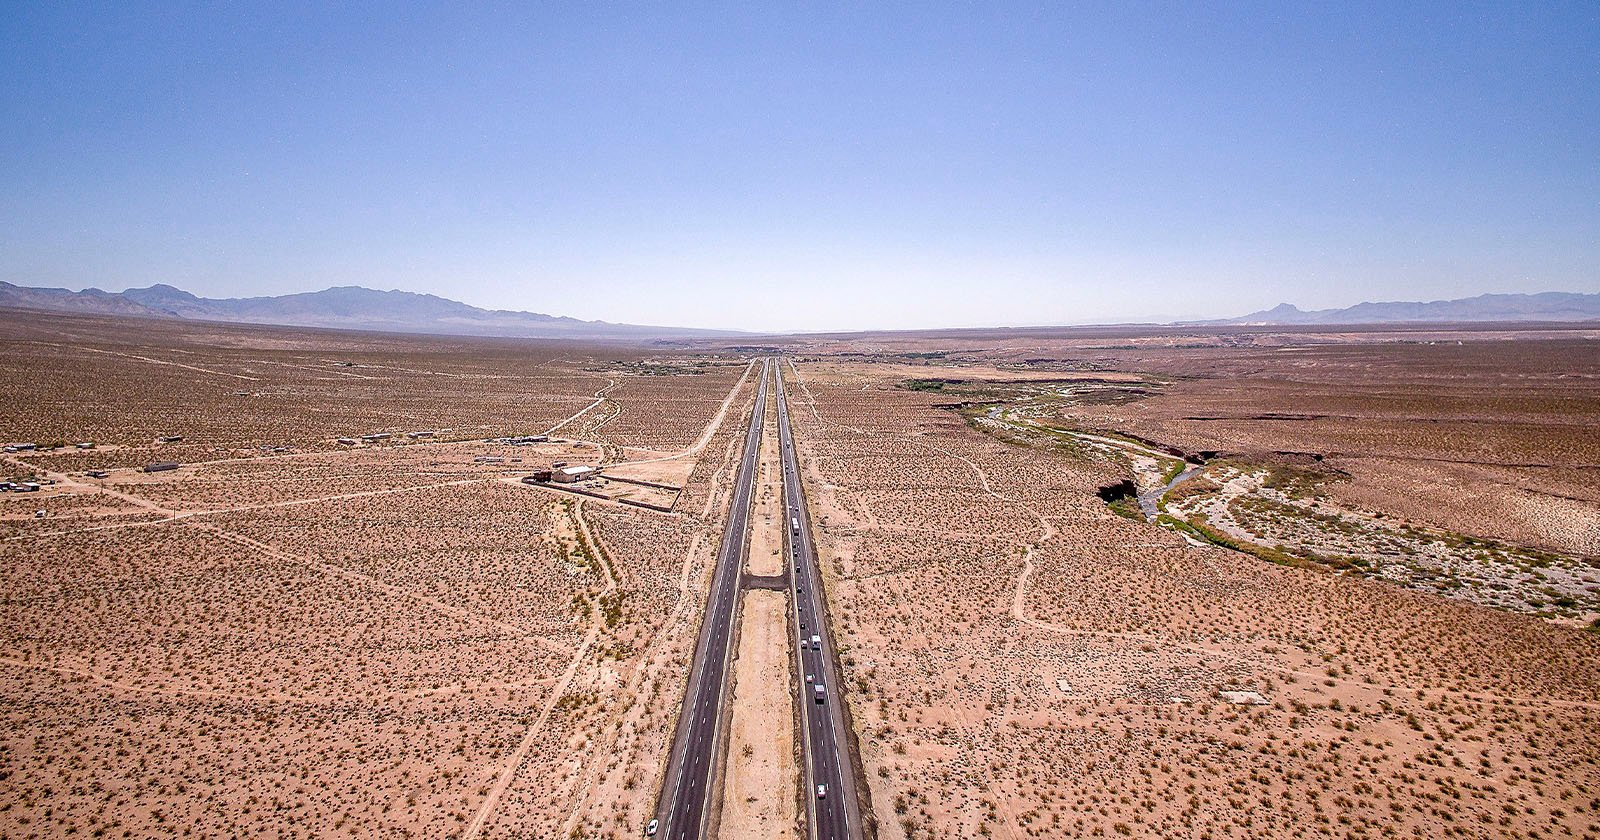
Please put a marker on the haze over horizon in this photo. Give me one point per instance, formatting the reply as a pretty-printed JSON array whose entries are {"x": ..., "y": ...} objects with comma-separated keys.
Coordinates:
[{"x": 778, "y": 170}]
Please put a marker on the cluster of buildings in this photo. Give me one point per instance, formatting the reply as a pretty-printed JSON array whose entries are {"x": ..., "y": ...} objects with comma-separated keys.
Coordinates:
[
  {"x": 375, "y": 437},
  {"x": 31, "y": 447},
  {"x": 380, "y": 437},
  {"x": 522, "y": 440},
  {"x": 560, "y": 473},
  {"x": 577, "y": 478},
  {"x": 495, "y": 459},
  {"x": 25, "y": 486}
]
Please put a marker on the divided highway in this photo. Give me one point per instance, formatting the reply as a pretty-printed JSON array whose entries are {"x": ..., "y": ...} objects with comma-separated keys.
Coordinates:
[
  {"x": 689, "y": 788},
  {"x": 686, "y": 791},
  {"x": 835, "y": 815}
]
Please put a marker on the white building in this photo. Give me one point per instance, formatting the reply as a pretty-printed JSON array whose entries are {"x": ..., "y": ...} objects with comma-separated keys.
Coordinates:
[{"x": 567, "y": 475}]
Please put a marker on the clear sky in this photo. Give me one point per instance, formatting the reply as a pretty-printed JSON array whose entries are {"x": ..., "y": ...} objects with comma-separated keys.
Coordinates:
[{"x": 799, "y": 166}]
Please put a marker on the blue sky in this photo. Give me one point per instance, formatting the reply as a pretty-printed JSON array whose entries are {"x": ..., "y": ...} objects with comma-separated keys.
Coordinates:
[{"x": 820, "y": 167}]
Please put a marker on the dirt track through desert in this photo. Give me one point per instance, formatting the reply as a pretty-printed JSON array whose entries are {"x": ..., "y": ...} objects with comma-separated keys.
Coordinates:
[{"x": 410, "y": 638}]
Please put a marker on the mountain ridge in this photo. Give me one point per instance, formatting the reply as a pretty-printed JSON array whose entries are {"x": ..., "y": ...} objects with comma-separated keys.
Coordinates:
[
  {"x": 1540, "y": 306},
  {"x": 336, "y": 307}
]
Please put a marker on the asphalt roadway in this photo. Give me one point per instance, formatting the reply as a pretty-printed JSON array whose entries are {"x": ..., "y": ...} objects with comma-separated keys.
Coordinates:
[
  {"x": 687, "y": 790},
  {"x": 836, "y": 815}
]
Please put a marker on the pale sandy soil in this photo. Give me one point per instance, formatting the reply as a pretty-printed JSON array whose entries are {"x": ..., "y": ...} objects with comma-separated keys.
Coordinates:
[
  {"x": 383, "y": 640},
  {"x": 390, "y": 641},
  {"x": 968, "y": 366},
  {"x": 1489, "y": 437},
  {"x": 1558, "y": 508},
  {"x": 610, "y": 491},
  {"x": 766, "y": 529},
  {"x": 762, "y": 778},
  {"x": 1297, "y": 516},
  {"x": 671, "y": 472},
  {"x": 1024, "y": 663},
  {"x": 1506, "y": 576},
  {"x": 595, "y": 768}
]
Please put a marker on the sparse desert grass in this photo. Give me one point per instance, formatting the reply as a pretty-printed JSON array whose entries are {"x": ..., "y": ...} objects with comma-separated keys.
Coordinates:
[
  {"x": 1278, "y": 507},
  {"x": 1027, "y": 663},
  {"x": 394, "y": 640},
  {"x": 291, "y": 637}
]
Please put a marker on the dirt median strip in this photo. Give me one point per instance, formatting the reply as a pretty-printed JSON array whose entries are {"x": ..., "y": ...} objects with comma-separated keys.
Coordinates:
[
  {"x": 766, "y": 534},
  {"x": 758, "y": 799}
]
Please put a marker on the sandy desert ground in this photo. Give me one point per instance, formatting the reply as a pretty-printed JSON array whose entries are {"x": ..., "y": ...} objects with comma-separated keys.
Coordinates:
[
  {"x": 762, "y": 776},
  {"x": 290, "y": 636},
  {"x": 1029, "y": 663}
]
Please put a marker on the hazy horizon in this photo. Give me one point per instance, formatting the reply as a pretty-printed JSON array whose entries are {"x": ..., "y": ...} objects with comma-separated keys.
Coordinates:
[
  {"x": 798, "y": 170},
  {"x": 1110, "y": 321}
]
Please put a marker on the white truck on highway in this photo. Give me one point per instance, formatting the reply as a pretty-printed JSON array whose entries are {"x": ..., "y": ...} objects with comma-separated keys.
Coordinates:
[
  {"x": 816, "y": 642},
  {"x": 821, "y": 693},
  {"x": 794, "y": 522}
]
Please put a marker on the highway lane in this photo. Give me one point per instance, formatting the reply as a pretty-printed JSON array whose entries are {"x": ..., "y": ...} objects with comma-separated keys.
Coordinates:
[
  {"x": 837, "y": 816},
  {"x": 687, "y": 790}
]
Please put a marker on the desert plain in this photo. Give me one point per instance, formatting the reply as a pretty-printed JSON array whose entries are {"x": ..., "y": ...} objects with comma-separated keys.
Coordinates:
[{"x": 1151, "y": 582}]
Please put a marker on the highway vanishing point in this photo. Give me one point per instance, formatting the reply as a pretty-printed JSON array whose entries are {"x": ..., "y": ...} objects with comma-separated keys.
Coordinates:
[{"x": 691, "y": 785}]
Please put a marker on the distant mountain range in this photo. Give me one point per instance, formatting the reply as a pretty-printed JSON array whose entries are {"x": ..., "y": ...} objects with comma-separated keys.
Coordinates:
[
  {"x": 359, "y": 308},
  {"x": 1545, "y": 306},
  {"x": 341, "y": 307}
]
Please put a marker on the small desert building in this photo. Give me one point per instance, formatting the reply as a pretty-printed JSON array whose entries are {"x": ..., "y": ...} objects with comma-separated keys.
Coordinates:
[
  {"x": 161, "y": 466},
  {"x": 567, "y": 475}
]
